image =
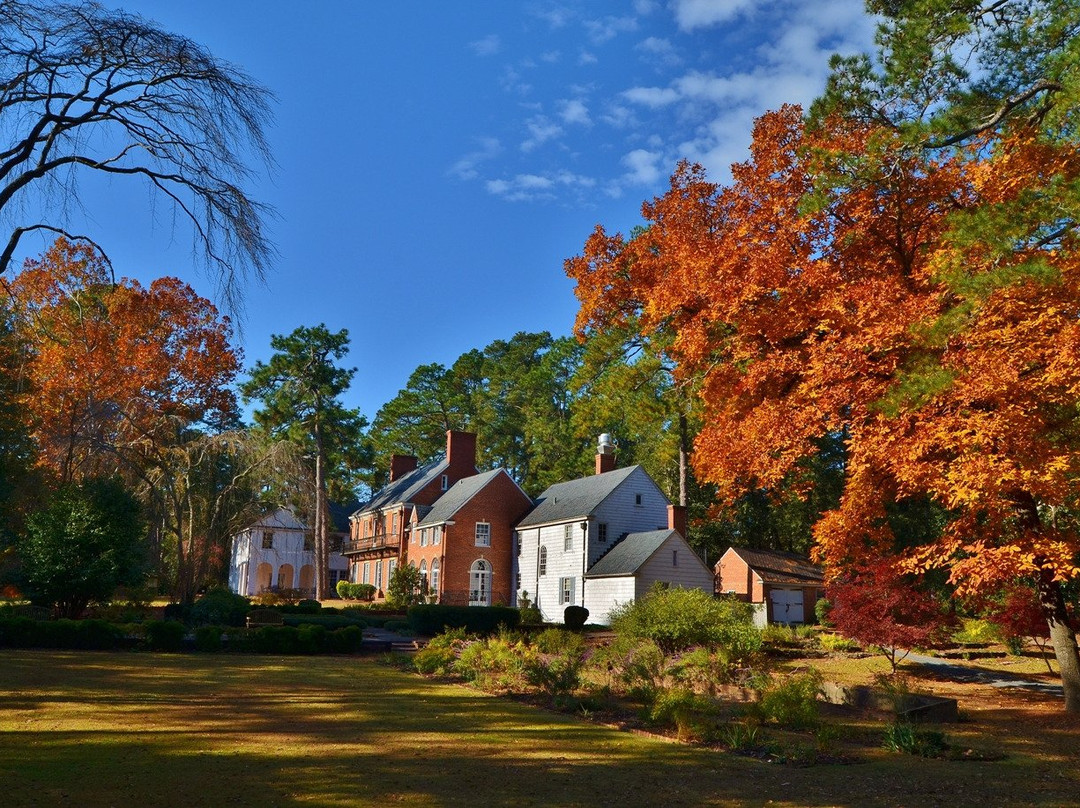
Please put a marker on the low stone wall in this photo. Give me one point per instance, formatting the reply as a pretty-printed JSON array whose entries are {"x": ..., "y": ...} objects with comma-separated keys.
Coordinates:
[{"x": 912, "y": 707}]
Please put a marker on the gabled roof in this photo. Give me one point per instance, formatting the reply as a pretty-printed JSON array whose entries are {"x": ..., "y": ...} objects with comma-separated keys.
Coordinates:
[
  {"x": 575, "y": 499},
  {"x": 460, "y": 492},
  {"x": 405, "y": 487},
  {"x": 282, "y": 518},
  {"x": 629, "y": 555},
  {"x": 777, "y": 567}
]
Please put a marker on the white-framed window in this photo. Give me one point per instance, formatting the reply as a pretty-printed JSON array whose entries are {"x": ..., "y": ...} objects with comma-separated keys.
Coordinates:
[
  {"x": 435, "y": 575},
  {"x": 378, "y": 574},
  {"x": 268, "y": 540},
  {"x": 480, "y": 583},
  {"x": 393, "y": 523},
  {"x": 543, "y": 561},
  {"x": 568, "y": 538},
  {"x": 367, "y": 573},
  {"x": 566, "y": 590},
  {"x": 445, "y": 482},
  {"x": 391, "y": 565},
  {"x": 423, "y": 537},
  {"x": 518, "y": 581},
  {"x": 436, "y": 534},
  {"x": 601, "y": 532},
  {"x": 483, "y": 534},
  {"x": 423, "y": 576}
]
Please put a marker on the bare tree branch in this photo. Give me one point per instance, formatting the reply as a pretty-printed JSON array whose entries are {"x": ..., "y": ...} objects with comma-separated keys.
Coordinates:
[{"x": 84, "y": 89}]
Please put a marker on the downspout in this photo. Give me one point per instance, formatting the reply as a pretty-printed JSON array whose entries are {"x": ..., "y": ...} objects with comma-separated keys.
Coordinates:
[{"x": 584, "y": 557}]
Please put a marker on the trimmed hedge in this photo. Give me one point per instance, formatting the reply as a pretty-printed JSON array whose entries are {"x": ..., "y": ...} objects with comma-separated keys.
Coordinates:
[
  {"x": 327, "y": 621},
  {"x": 431, "y": 619},
  {"x": 92, "y": 635}
]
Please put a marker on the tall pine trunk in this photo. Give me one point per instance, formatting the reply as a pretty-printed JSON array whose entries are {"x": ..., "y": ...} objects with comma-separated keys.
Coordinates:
[{"x": 322, "y": 558}]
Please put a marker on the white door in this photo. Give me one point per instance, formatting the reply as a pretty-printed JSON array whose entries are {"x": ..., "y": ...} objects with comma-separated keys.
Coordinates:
[
  {"x": 480, "y": 584},
  {"x": 787, "y": 605}
]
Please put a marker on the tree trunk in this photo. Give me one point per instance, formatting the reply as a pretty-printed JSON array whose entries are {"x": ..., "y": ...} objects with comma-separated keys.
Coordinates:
[
  {"x": 684, "y": 458},
  {"x": 322, "y": 558},
  {"x": 1063, "y": 638}
]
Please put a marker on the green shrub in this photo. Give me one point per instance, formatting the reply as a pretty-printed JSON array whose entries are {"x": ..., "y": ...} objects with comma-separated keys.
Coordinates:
[
  {"x": 431, "y": 619},
  {"x": 208, "y": 638},
  {"x": 349, "y": 591},
  {"x": 275, "y": 640},
  {"x": 435, "y": 659},
  {"x": 346, "y": 640},
  {"x": 974, "y": 631},
  {"x": 574, "y": 617},
  {"x": 702, "y": 669},
  {"x": 821, "y": 612},
  {"x": 742, "y": 736},
  {"x": 792, "y": 701},
  {"x": 559, "y": 641},
  {"x": 778, "y": 634},
  {"x": 327, "y": 621},
  {"x": 494, "y": 663},
  {"x": 837, "y": 642},
  {"x": 165, "y": 635},
  {"x": 692, "y": 716},
  {"x": 676, "y": 619},
  {"x": 400, "y": 626},
  {"x": 310, "y": 639},
  {"x": 636, "y": 666},
  {"x": 530, "y": 616},
  {"x": 903, "y": 736},
  {"x": 219, "y": 607},
  {"x": 180, "y": 612}
]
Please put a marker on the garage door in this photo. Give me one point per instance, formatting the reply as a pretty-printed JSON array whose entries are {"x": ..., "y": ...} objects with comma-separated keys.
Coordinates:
[{"x": 787, "y": 605}]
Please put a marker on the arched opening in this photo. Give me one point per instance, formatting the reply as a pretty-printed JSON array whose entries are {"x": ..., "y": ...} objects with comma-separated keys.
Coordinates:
[
  {"x": 307, "y": 577},
  {"x": 480, "y": 583},
  {"x": 286, "y": 577},
  {"x": 264, "y": 577}
]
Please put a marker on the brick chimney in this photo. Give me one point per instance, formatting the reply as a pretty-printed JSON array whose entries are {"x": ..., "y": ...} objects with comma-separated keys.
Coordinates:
[
  {"x": 461, "y": 452},
  {"x": 605, "y": 454},
  {"x": 401, "y": 465},
  {"x": 676, "y": 519}
]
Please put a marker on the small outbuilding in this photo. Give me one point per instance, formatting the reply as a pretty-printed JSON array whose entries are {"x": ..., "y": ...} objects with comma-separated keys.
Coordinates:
[{"x": 784, "y": 586}]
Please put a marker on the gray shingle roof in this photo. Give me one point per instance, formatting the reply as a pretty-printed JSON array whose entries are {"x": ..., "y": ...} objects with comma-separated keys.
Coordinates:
[
  {"x": 627, "y": 557},
  {"x": 460, "y": 492},
  {"x": 405, "y": 487},
  {"x": 575, "y": 499}
]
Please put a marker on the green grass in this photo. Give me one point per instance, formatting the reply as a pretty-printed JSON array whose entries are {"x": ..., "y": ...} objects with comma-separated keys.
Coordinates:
[{"x": 97, "y": 729}]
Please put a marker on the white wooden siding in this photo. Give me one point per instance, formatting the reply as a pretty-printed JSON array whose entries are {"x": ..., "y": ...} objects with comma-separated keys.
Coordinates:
[
  {"x": 691, "y": 572},
  {"x": 604, "y": 594}
]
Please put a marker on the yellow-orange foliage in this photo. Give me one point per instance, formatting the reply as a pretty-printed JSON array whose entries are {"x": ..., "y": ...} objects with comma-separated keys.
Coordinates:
[
  {"x": 817, "y": 294},
  {"x": 115, "y": 368}
]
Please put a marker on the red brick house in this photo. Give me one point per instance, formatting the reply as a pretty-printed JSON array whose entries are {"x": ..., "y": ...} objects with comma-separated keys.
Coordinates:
[
  {"x": 785, "y": 585},
  {"x": 464, "y": 544},
  {"x": 377, "y": 528}
]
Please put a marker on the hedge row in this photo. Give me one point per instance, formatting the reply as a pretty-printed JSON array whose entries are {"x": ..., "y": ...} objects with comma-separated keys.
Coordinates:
[
  {"x": 172, "y": 635},
  {"x": 432, "y": 619}
]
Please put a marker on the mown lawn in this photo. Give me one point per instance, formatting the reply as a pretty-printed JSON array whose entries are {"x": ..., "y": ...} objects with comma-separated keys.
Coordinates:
[{"x": 97, "y": 729}]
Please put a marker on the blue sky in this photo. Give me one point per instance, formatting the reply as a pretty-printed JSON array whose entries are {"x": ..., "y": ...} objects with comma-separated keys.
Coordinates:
[{"x": 437, "y": 161}]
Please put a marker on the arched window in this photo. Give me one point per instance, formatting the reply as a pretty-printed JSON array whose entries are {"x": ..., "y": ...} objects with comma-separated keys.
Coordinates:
[
  {"x": 423, "y": 576},
  {"x": 264, "y": 574},
  {"x": 480, "y": 583},
  {"x": 307, "y": 577},
  {"x": 286, "y": 577},
  {"x": 543, "y": 560},
  {"x": 435, "y": 577}
]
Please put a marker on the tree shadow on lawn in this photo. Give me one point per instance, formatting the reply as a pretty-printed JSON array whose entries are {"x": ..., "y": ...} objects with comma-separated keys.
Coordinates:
[{"x": 182, "y": 731}]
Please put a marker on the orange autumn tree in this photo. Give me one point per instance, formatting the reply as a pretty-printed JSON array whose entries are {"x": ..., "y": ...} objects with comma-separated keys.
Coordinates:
[
  {"x": 821, "y": 295},
  {"x": 115, "y": 370}
]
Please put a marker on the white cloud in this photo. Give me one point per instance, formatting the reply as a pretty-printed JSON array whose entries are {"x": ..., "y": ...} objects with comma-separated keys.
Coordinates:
[
  {"x": 651, "y": 96},
  {"x": 488, "y": 46},
  {"x": 574, "y": 111},
  {"x": 644, "y": 167},
  {"x": 467, "y": 167},
  {"x": 539, "y": 187},
  {"x": 586, "y": 58},
  {"x": 607, "y": 28},
  {"x": 691, "y": 14},
  {"x": 660, "y": 51},
  {"x": 541, "y": 129}
]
